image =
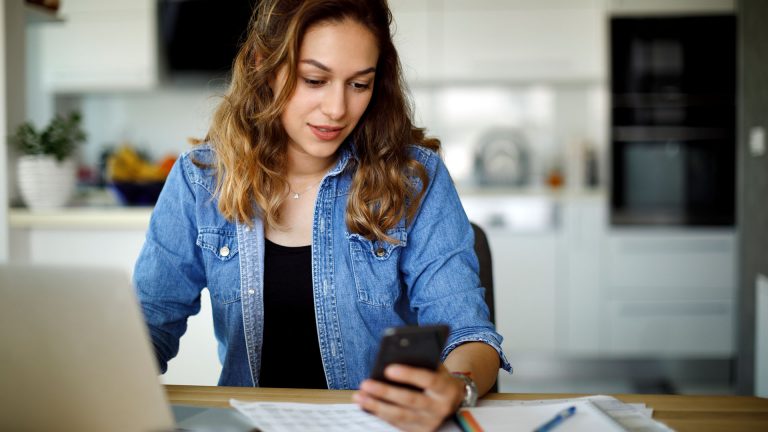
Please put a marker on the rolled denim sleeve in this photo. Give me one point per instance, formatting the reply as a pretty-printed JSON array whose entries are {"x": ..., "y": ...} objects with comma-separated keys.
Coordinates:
[
  {"x": 440, "y": 267},
  {"x": 169, "y": 274}
]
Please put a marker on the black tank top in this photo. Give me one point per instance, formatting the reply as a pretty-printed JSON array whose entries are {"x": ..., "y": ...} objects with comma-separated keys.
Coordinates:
[{"x": 290, "y": 354}]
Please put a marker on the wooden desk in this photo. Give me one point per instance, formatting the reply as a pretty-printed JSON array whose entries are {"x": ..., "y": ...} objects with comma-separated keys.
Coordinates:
[{"x": 683, "y": 413}]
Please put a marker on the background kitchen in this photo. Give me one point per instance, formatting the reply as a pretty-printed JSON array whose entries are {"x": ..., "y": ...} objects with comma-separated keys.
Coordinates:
[{"x": 595, "y": 142}]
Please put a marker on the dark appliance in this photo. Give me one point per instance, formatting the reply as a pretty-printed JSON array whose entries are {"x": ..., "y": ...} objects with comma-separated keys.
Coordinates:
[
  {"x": 673, "y": 120},
  {"x": 201, "y": 37}
]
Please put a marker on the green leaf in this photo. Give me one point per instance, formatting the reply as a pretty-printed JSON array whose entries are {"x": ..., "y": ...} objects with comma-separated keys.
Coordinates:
[{"x": 59, "y": 139}]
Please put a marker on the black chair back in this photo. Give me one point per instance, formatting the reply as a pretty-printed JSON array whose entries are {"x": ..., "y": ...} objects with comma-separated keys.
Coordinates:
[{"x": 483, "y": 251}]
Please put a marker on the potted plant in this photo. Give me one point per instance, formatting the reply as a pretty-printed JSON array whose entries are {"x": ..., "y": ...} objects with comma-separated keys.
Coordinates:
[{"x": 46, "y": 169}]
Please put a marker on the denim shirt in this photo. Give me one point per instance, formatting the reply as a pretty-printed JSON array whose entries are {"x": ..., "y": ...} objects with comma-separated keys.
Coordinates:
[{"x": 360, "y": 287}]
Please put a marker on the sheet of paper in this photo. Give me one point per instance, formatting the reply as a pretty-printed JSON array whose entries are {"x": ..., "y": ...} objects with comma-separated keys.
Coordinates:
[
  {"x": 631, "y": 417},
  {"x": 299, "y": 417},
  {"x": 527, "y": 417}
]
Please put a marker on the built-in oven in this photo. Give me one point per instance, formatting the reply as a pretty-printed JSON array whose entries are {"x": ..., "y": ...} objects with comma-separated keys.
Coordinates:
[{"x": 673, "y": 120}]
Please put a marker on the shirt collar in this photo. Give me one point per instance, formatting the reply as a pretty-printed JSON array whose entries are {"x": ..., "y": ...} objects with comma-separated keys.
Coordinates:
[{"x": 347, "y": 153}]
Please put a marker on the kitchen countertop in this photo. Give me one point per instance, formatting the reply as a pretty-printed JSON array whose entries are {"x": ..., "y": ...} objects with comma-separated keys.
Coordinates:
[
  {"x": 81, "y": 217},
  {"x": 98, "y": 209},
  {"x": 90, "y": 208}
]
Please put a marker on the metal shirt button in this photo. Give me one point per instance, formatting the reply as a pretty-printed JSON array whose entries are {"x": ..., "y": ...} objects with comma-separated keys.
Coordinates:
[
  {"x": 224, "y": 251},
  {"x": 251, "y": 291},
  {"x": 380, "y": 252}
]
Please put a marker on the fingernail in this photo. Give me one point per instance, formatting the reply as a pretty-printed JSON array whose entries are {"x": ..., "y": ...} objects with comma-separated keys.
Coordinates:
[{"x": 393, "y": 370}]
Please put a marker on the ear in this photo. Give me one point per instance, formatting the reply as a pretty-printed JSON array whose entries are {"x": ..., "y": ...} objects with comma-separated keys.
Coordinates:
[{"x": 277, "y": 79}]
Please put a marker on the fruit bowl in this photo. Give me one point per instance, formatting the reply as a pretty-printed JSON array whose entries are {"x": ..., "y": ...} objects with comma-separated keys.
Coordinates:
[{"x": 137, "y": 193}]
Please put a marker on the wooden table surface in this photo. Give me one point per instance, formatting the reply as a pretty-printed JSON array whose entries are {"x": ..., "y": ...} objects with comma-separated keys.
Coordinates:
[{"x": 682, "y": 413}]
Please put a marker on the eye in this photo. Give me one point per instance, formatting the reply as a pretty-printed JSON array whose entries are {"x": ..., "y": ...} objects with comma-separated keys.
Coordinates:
[
  {"x": 313, "y": 82},
  {"x": 360, "y": 86}
]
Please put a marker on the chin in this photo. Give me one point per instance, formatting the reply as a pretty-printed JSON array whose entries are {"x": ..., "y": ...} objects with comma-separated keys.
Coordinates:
[{"x": 322, "y": 149}]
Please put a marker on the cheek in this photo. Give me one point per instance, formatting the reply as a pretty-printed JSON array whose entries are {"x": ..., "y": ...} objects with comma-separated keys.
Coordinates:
[
  {"x": 302, "y": 101},
  {"x": 361, "y": 105}
]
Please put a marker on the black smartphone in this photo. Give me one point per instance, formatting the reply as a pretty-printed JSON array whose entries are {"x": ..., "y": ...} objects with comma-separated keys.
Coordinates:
[{"x": 417, "y": 346}]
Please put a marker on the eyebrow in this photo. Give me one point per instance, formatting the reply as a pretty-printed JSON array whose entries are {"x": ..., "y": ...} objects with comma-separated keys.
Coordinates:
[{"x": 319, "y": 65}]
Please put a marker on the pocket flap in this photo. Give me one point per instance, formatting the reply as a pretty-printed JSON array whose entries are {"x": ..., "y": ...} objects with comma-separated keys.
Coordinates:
[
  {"x": 221, "y": 243},
  {"x": 380, "y": 249}
]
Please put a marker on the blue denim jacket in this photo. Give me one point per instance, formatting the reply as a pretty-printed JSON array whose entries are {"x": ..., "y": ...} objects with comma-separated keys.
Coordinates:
[{"x": 360, "y": 287}]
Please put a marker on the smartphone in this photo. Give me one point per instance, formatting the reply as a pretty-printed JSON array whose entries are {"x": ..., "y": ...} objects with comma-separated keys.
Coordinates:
[{"x": 417, "y": 346}]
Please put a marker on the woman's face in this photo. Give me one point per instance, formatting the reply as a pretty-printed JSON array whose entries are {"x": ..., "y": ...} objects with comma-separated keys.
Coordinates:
[{"x": 336, "y": 69}]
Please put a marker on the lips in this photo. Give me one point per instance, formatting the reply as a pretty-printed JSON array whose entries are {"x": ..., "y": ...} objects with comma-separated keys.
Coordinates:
[{"x": 326, "y": 133}]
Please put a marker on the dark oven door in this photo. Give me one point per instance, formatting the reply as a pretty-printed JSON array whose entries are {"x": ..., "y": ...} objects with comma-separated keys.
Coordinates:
[{"x": 674, "y": 181}]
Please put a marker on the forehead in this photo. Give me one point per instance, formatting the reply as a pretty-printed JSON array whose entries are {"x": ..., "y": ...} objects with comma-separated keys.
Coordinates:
[{"x": 343, "y": 45}]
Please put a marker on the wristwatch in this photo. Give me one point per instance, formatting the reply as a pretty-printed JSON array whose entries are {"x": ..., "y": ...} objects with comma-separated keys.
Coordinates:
[{"x": 470, "y": 389}]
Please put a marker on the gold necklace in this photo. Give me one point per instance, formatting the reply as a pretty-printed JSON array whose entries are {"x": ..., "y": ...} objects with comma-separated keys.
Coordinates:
[{"x": 297, "y": 195}]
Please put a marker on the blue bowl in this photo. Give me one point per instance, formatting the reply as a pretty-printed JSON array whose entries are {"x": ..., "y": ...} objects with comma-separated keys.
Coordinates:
[{"x": 137, "y": 193}]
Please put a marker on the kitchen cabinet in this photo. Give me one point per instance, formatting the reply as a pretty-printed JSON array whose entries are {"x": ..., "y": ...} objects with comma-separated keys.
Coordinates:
[
  {"x": 522, "y": 40},
  {"x": 570, "y": 285},
  {"x": 500, "y": 40},
  {"x": 625, "y": 7},
  {"x": 670, "y": 292},
  {"x": 581, "y": 243},
  {"x": 411, "y": 35},
  {"x": 522, "y": 235},
  {"x": 525, "y": 289},
  {"x": 100, "y": 46},
  {"x": 663, "y": 292}
]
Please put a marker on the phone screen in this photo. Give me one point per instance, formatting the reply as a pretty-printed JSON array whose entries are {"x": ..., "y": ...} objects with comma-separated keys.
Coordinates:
[{"x": 410, "y": 345}]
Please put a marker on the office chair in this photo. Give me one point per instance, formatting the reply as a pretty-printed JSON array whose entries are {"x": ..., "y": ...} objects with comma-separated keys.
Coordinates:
[{"x": 483, "y": 251}]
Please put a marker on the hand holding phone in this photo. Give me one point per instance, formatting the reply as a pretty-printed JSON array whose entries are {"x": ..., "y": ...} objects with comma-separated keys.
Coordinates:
[{"x": 412, "y": 346}]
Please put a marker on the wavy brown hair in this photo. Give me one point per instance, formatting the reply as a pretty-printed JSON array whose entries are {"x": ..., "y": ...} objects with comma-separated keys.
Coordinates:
[{"x": 249, "y": 141}]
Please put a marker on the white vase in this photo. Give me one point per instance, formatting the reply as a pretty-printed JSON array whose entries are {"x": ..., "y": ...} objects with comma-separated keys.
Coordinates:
[{"x": 44, "y": 182}]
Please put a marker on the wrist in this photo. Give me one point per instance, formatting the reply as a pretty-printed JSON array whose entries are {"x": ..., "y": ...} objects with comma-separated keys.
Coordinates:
[{"x": 470, "y": 394}]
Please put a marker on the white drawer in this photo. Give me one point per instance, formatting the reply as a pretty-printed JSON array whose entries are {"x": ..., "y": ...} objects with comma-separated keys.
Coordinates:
[
  {"x": 702, "y": 328},
  {"x": 670, "y": 266}
]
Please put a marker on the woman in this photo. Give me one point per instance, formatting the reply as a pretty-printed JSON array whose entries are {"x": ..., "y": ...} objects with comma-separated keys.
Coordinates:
[{"x": 317, "y": 215}]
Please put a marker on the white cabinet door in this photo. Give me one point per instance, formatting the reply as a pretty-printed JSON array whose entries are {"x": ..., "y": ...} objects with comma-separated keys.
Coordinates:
[
  {"x": 671, "y": 265},
  {"x": 524, "y": 268},
  {"x": 101, "y": 45},
  {"x": 581, "y": 246},
  {"x": 521, "y": 40},
  {"x": 411, "y": 35},
  {"x": 699, "y": 329}
]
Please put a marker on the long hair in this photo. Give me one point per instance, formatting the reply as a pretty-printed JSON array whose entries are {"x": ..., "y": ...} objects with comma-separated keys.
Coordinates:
[{"x": 249, "y": 140}]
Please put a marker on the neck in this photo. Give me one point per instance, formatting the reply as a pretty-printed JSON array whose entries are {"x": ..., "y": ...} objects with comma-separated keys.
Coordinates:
[{"x": 302, "y": 166}]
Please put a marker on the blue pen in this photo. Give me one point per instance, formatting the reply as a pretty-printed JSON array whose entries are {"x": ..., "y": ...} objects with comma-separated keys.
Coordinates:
[{"x": 556, "y": 420}]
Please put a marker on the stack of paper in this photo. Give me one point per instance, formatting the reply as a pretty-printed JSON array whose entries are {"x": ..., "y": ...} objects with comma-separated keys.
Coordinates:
[
  {"x": 593, "y": 413},
  {"x": 597, "y": 413}
]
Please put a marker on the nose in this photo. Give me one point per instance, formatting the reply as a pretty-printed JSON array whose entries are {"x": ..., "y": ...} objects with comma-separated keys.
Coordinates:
[{"x": 334, "y": 103}]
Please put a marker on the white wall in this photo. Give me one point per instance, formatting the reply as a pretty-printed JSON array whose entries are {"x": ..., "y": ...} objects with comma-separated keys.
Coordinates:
[
  {"x": 3, "y": 150},
  {"x": 159, "y": 121},
  {"x": 12, "y": 37}
]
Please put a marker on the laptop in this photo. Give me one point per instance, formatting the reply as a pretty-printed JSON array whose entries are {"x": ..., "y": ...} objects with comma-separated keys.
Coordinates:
[{"x": 75, "y": 356}]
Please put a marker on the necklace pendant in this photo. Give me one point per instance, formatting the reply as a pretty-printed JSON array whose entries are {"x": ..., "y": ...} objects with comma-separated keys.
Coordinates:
[{"x": 295, "y": 195}]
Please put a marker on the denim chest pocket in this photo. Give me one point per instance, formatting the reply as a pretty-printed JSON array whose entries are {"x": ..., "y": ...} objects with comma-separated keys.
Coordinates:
[
  {"x": 375, "y": 265},
  {"x": 222, "y": 268}
]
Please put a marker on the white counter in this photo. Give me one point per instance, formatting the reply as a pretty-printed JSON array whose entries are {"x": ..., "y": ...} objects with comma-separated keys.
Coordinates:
[
  {"x": 81, "y": 218},
  {"x": 102, "y": 215}
]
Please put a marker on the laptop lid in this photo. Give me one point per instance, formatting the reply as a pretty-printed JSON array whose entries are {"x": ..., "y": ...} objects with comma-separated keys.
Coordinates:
[{"x": 75, "y": 353}]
